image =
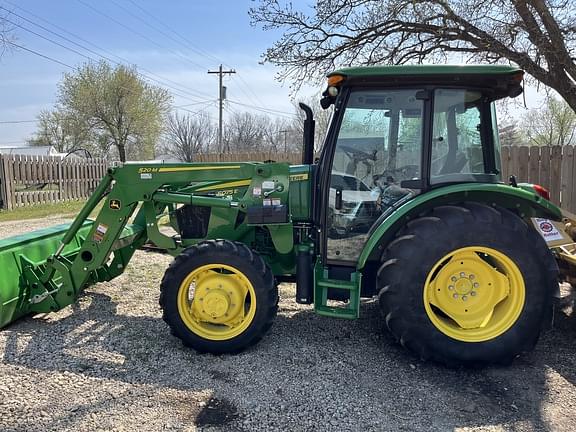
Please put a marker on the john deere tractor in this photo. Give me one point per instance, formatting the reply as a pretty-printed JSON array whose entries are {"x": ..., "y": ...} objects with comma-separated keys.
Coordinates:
[{"x": 405, "y": 202}]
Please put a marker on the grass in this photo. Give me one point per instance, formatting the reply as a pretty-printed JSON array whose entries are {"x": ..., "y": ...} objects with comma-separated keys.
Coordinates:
[{"x": 68, "y": 208}]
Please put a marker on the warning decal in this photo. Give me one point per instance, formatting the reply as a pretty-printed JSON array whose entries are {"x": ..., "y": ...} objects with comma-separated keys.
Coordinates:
[
  {"x": 547, "y": 229},
  {"x": 100, "y": 232}
]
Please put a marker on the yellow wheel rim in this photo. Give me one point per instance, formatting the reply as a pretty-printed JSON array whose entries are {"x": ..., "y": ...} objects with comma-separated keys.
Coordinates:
[
  {"x": 216, "y": 302},
  {"x": 474, "y": 294}
]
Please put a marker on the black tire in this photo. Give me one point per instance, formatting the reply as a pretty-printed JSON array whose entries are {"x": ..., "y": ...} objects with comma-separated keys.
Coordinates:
[
  {"x": 248, "y": 263},
  {"x": 423, "y": 242}
]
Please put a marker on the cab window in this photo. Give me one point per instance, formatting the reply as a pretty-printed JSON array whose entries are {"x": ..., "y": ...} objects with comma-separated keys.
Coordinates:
[
  {"x": 456, "y": 136},
  {"x": 379, "y": 145}
]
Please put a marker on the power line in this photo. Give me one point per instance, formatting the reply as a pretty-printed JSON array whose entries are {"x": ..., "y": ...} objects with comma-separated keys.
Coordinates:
[
  {"x": 48, "y": 39},
  {"x": 71, "y": 67},
  {"x": 191, "y": 46},
  {"x": 162, "y": 81},
  {"x": 130, "y": 29},
  {"x": 17, "y": 121},
  {"x": 190, "y": 111},
  {"x": 156, "y": 29},
  {"x": 258, "y": 101},
  {"x": 39, "y": 54},
  {"x": 195, "y": 103},
  {"x": 169, "y": 28},
  {"x": 266, "y": 110},
  {"x": 160, "y": 31}
]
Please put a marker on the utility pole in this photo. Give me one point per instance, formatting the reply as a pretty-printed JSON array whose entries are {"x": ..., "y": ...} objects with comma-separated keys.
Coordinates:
[
  {"x": 221, "y": 97},
  {"x": 284, "y": 132}
]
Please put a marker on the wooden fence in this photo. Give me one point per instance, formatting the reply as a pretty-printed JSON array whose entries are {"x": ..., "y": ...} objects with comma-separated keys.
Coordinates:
[
  {"x": 294, "y": 158},
  {"x": 26, "y": 180},
  {"x": 551, "y": 167}
]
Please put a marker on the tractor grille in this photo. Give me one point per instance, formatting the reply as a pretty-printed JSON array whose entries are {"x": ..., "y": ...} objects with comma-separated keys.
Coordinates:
[{"x": 193, "y": 221}]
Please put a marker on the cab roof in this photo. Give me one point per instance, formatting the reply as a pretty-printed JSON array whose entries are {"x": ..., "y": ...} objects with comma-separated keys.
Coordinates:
[
  {"x": 499, "y": 81},
  {"x": 425, "y": 70}
]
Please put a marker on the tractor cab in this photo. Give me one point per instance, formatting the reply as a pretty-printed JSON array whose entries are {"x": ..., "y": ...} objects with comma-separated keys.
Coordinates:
[{"x": 398, "y": 132}]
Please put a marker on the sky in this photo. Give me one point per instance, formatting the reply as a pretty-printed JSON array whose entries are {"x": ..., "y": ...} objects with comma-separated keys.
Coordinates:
[{"x": 173, "y": 43}]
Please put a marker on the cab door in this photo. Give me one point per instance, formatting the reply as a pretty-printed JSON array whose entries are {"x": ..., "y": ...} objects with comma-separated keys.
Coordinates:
[{"x": 377, "y": 145}]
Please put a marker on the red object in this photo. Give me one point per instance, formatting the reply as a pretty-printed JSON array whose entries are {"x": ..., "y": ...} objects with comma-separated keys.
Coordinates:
[{"x": 543, "y": 192}]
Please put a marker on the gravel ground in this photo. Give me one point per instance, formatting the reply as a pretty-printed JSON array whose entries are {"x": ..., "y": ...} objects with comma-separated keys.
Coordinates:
[{"x": 109, "y": 363}]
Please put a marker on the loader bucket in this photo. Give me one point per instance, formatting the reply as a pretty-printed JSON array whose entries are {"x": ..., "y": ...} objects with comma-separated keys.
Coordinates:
[{"x": 35, "y": 247}]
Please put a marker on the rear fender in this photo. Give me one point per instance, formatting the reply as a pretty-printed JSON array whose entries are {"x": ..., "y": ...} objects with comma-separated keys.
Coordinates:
[{"x": 525, "y": 203}]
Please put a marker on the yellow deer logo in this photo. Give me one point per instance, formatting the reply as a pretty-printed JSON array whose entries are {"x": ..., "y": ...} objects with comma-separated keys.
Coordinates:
[{"x": 115, "y": 204}]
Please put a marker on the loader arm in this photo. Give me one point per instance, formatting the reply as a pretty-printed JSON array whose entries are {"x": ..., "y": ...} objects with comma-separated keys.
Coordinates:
[{"x": 48, "y": 272}]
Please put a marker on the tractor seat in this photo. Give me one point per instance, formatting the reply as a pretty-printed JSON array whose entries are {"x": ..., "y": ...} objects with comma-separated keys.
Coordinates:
[{"x": 453, "y": 165}]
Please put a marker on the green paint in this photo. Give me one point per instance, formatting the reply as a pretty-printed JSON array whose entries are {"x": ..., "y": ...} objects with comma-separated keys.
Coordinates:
[
  {"x": 47, "y": 270},
  {"x": 528, "y": 204},
  {"x": 300, "y": 192},
  {"x": 36, "y": 247},
  {"x": 351, "y": 309},
  {"x": 282, "y": 237},
  {"x": 423, "y": 70}
]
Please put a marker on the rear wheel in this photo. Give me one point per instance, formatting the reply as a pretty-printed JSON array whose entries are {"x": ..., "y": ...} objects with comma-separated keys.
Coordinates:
[
  {"x": 467, "y": 285},
  {"x": 219, "y": 297}
]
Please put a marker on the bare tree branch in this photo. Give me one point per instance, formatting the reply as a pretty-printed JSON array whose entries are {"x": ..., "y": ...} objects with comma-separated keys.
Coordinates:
[
  {"x": 188, "y": 136},
  {"x": 6, "y": 33},
  {"x": 537, "y": 35}
]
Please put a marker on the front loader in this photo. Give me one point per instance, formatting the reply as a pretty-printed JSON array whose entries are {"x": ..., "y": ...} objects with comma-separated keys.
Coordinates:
[{"x": 406, "y": 203}]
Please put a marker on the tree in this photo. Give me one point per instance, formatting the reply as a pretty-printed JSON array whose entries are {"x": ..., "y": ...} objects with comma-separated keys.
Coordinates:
[
  {"x": 281, "y": 136},
  {"x": 62, "y": 131},
  {"x": 244, "y": 132},
  {"x": 120, "y": 108},
  {"x": 6, "y": 32},
  {"x": 553, "y": 124},
  {"x": 186, "y": 136},
  {"x": 537, "y": 35},
  {"x": 509, "y": 134}
]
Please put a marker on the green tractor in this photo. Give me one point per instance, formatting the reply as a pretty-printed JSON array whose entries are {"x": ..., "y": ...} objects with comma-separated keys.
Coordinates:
[{"x": 405, "y": 202}]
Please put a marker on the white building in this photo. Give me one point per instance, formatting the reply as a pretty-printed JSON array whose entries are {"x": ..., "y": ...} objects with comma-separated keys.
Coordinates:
[{"x": 32, "y": 151}]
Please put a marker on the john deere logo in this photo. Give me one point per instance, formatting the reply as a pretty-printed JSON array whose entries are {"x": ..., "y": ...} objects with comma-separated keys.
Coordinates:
[{"x": 115, "y": 204}]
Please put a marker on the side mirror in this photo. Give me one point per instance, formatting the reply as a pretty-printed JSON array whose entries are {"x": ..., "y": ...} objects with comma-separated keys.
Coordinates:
[
  {"x": 326, "y": 101},
  {"x": 515, "y": 91}
]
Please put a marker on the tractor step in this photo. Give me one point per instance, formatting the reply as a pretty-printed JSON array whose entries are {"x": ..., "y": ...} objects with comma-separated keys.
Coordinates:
[
  {"x": 337, "y": 284},
  {"x": 322, "y": 284}
]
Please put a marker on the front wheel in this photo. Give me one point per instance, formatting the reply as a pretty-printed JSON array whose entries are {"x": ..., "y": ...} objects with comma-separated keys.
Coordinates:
[
  {"x": 219, "y": 297},
  {"x": 467, "y": 285}
]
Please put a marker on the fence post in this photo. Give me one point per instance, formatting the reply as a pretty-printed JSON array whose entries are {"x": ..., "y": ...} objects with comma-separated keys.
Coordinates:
[
  {"x": 505, "y": 163},
  {"x": 8, "y": 196},
  {"x": 3, "y": 195},
  {"x": 555, "y": 173},
  {"x": 63, "y": 194},
  {"x": 568, "y": 199},
  {"x": 534, "y": 165}
]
